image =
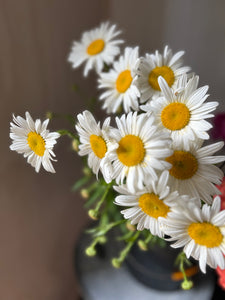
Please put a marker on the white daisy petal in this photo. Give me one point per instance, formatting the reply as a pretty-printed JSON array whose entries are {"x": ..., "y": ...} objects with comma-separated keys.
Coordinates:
[{"x": 167, "y": 92}]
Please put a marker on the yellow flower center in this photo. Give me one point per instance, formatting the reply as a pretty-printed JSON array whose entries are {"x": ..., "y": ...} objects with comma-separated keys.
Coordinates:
[
  {"x": 184, "y": 164},
  {"x": 98, "y": 145},
  {"x": 153, "y": 206},
  {"x": 123, "y": 81},
  {"x": 96, "y": 47},
  {"x": 36, "y": 143},
  {"x": 163, "y": 71},
  {"x": 131, "y": 151},
  {"x": 205, "y": 234},
  {"x": 175, "y": 116}
]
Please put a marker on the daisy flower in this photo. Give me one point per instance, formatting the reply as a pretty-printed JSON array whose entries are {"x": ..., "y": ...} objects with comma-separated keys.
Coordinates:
[
  {"x": 149, "y": 204},
  {"x": 182, "y": 112},
  {"x": 34, "y": 141},
  {"x": 118, "y": 83},
  {"x": 95, "y": 142},
  {"x": 142, "y": 150},
  {"x": 150, "y": 67},
  {"x": 200, "y": 231},
  {"x": 193, "y": 171},
  {"x": 97, "y": 46}
]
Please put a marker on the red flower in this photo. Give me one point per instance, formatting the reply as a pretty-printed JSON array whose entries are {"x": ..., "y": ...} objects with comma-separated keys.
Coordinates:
[
  {"x": 222, "y": 196},
  {"x": 221, "y": 273},
  {"x": 221, "y": 280}
]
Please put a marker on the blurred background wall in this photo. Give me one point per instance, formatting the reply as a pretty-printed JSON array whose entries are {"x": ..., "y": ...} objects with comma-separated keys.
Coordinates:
[{"x": 40, "y": 219}]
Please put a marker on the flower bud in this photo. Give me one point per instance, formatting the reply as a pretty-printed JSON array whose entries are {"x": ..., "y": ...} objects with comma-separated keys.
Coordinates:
[
  {"x": 116, "y": 263},
  {"x": 93, "y": 214},
  {"x": 87, "y": 171},
  {"x": 187, "y": 284},
  {"x": 142, "y": 245},
  {"x": 102, "y": 239},
  {"x": 84, "y": 193},
  {"x": 49, "y": 115},
  {"x": 130, "y": 227},
  {"x": 90, "y": 251},
  {"x": 75, "y": 144}
]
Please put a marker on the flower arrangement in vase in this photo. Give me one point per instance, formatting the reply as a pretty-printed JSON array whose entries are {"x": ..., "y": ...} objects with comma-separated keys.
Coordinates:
[{"x": 149, "y": 174}]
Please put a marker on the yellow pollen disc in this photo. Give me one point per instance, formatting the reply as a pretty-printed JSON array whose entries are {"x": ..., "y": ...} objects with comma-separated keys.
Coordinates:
[
  {"x": 153, "y": 206},
  {"x": 205, "y": 234},
  {"x": 184, "y": 164},
  {"x": 163, "y": 71},
  {"x": 36, "y": 143},
  {"x": 131, "y": 151},
  {"x": 175, "y": 116},
  {"x": 96, "y": 47},
  {"x": 123, "y": 81},
  {"x": 98, "y": 145}
]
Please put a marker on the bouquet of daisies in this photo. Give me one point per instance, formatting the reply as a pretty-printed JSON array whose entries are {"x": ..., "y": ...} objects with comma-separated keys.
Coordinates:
[{"x": 155, "y": 180}]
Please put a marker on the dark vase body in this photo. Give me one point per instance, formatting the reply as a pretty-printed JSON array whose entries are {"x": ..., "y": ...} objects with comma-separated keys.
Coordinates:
[{"x": 155, "y": 267}]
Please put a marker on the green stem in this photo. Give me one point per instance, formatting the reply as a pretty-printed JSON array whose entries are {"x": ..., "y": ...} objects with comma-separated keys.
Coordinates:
[
  {"x": 182, "y": 268},
  {"x": 104, "y": 228},
  {"x": 128, "y": 247},
  {"x": 116, "y": 262},
  {"x": 125, "y": 236},
  {"x": 99, "y": 204},
  {"x": 68, "y": 133},
  {"x": 148, "y": 238}
]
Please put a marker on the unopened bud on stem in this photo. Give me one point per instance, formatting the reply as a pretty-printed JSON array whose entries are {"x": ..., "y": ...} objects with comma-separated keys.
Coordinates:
[{"x": 93, "y": 214}]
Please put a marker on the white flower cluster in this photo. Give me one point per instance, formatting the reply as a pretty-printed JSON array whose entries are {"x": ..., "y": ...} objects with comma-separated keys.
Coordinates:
[{"x": 155, "y": 154}]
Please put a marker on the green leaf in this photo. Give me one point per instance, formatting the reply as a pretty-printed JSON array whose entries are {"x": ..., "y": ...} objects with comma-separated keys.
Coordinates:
[
  {"x": 97, "y": 193},
  {"x": 92, "y": 230},
  {"x": 80, "y": 183}
]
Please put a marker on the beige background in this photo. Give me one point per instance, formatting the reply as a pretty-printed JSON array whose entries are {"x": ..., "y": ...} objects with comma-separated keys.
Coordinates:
[{"x": 40, "y": 219}]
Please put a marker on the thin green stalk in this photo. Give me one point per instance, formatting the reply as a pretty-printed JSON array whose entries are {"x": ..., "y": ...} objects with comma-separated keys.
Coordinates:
[
  {"x": 68, "y": 133},
  {"x": 99, "y": 204},
  {"x": 116, "y": 262}
]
